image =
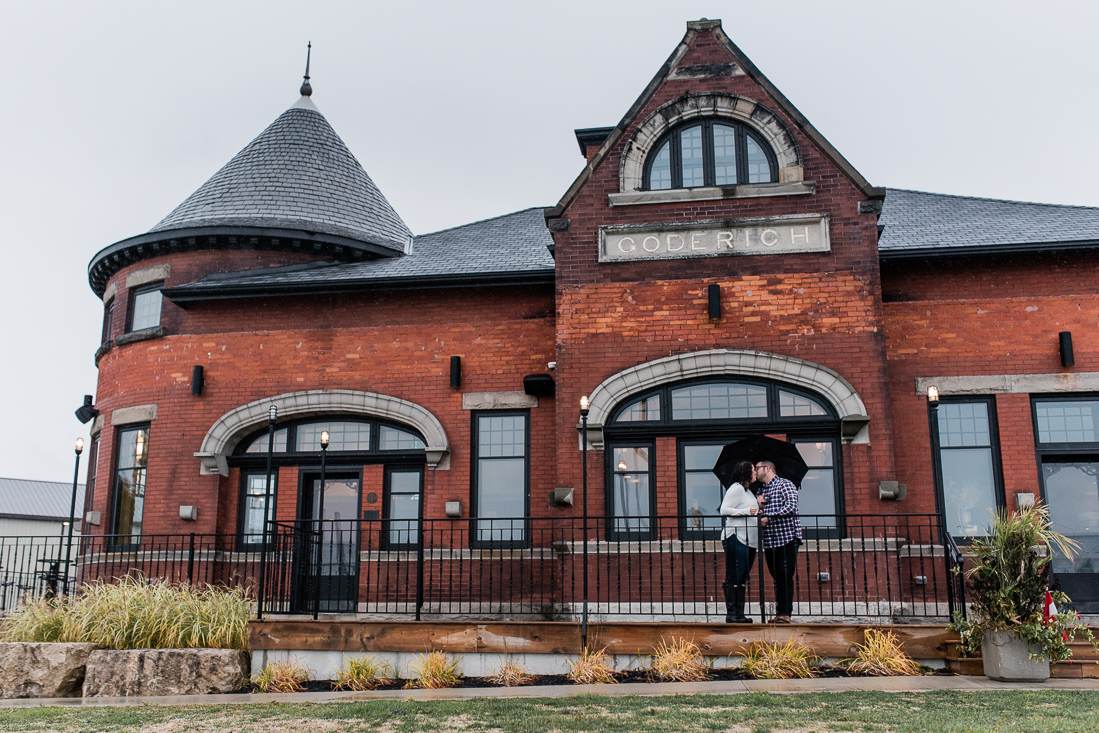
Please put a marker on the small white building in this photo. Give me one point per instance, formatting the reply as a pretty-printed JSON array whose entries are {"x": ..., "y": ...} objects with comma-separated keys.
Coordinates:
[{"x": 37, "y": 508}]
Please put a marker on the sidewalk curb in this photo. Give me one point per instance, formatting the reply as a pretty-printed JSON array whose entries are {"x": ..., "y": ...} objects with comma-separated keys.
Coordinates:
[{"x": 737, "y": 687}]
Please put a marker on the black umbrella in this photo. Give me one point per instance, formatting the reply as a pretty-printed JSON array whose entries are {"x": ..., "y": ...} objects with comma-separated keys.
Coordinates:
[{"x": 787, "y": 459}]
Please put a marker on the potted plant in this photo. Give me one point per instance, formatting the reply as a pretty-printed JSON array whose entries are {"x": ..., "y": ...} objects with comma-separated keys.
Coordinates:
[{"x": 1006, "y": 589}]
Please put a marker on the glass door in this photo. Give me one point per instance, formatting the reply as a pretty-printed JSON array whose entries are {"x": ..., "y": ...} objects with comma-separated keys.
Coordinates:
[
  {"x": 329, "y": 538},
  {"x": 1071, "y": 488}
]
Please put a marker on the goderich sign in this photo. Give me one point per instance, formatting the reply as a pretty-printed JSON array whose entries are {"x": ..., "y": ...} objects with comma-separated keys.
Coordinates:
[{"x": 755, "y": 236}]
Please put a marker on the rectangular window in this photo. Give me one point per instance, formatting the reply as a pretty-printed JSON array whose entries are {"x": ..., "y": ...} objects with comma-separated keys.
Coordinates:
[
  {"x": 129, "y": 484},
  {"x": 252, "y": 509},
  {"x": 145, "y": 307},
  {"x": 403, "y": 490},
  {"x": 501, "y": 477},
  {"x": 631, "y": 492},
  {"x": 108, "y": 320},
  {"x": 817, "y": 495},
  {"x": 89, "y": 487},
  {"x": 968, "y": 465},
  {"x": 1064, "y": 421},
  {"x": 701, "y": 493}
]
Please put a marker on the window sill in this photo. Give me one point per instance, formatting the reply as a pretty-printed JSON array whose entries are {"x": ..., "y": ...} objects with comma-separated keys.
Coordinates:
[
  {"x": 143, "y": 335},
  {"x": 103, "y": 349},
  {"x": 713, "y": 193}
]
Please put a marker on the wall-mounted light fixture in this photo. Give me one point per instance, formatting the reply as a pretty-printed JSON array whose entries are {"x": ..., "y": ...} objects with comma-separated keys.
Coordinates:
[
  {"x": 933, "y": 396},
  {"x": 1066, "y": 348},
  {"x": 198, "y": 381},
  {"x": 455, "y": 372},
  {"x": 715, "y": 301},
  {"x": 86, "y": 412}
]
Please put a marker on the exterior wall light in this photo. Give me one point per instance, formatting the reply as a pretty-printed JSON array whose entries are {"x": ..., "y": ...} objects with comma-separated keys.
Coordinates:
[{"x": 933, "y": 396}]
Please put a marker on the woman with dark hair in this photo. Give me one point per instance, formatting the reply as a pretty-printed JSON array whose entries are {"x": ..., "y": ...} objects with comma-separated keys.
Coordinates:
[{"x": 739, "y": 538}]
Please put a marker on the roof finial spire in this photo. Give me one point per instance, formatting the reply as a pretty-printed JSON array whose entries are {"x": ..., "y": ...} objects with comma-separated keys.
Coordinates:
[{"x": 306, "y": 90}]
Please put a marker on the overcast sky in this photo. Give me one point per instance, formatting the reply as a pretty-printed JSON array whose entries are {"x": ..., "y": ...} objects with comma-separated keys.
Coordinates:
[{"x": 114, "y": 112}]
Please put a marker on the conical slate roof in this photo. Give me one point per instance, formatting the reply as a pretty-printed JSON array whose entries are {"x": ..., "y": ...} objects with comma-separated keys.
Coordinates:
[{"x": 297, "y": 174}]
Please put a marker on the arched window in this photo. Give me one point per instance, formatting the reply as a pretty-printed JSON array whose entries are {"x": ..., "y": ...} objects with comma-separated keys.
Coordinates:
[
  {"x": 703, "y": 416},
  {"x": 712, "y": 152}
]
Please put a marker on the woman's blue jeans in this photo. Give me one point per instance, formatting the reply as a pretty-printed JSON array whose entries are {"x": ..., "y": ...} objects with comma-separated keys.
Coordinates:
[{"x": 738, "y": 560}]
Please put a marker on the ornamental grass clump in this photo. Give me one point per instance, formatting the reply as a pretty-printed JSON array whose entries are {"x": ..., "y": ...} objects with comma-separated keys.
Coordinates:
[
  {"x": 591, "y": 668},
  {"x": 678, "y": 661},
  {"x": 511, "y": 674},
  {"x": 435, "y": 671},
  {"x": 288, "y": 676},
  {"x": 1007, "y": 585},
  {"x": 770, "y": 660},
  {"x": 135, "y": 613},
  {"x": 361, "y": 673},
  {"x": 882, "y": 655}
]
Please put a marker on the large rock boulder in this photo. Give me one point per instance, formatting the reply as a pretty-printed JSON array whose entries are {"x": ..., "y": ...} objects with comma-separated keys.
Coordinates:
[
  {"x": 40, "y": 669},
  {"x": 165, "y": 672}
]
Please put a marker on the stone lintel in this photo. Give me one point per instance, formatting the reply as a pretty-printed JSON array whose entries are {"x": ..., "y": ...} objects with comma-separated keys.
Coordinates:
[
  {"x": 498, "y": 401},
  {"x": 712, "y": 193},
  {"x": 985, "y": 384},
  {"x": 148, "y": 275},
  {"x": 135, "y": 414}
]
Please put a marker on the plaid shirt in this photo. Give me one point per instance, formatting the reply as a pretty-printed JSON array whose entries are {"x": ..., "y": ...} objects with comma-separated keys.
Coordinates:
[{"x": 781, "y": 508}]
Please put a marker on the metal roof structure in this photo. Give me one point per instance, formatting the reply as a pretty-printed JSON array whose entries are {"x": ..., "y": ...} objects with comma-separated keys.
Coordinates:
[
  {"x": 918, "y": 224},
  {"x": 510, "y": 249},
  {"x": 29, "y": 499}
]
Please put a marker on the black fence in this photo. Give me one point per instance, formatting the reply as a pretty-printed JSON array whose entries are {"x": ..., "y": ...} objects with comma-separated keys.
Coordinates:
[
  {"x": 654, "y": 568},
  {"x": 39, "y": 567},
  {"x": 859, "y": 566}
]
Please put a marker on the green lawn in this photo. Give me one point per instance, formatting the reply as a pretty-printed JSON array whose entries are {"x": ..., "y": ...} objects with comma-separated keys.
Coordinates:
[{"x": 1043, "y": 712}]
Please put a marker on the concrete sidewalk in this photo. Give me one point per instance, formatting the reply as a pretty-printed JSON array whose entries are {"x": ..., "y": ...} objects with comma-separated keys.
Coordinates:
[{"x": 841, "y": 684}]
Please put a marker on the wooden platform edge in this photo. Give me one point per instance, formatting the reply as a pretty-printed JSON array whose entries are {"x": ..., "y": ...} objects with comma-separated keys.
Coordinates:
[{"x": 550, "y": 637}]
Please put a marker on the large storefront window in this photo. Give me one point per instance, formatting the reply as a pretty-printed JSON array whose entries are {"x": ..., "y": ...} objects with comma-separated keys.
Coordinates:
[
  {"x": 968, "y": 466},
  {"x": 704, "y": 416},
  {"x": 501, "y": 478},
  {"x": 129, "y": 484},
  {"x": 1067, "y": 436}
]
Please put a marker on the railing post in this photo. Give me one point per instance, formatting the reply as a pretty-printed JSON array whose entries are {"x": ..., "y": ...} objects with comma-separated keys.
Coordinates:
[
  {"x": 759, "y": 562},
  {"x": 420, "y": 560},
  {"x": 191, "y": 561}
]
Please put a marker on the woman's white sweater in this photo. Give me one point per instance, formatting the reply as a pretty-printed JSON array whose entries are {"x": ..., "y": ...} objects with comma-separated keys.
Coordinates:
[{"x": 736, "y": 508}]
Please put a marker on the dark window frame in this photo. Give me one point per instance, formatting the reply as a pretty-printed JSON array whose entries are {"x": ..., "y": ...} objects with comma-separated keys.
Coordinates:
[
  {"x": 131, "y": 304},
  {"x": 743, "y": 131},
  {"x": 387, "y": 489},
  {"x": 241, "y": 458},
  {"x": 994, "y": 446},
  {"x": 475, "y": 460},
  {"x": 1059, "y": 450},
  {"x": 242, "y": 544},
  {"x": 613, "y": 534},
  {"x": 108, "y": 319},
  {"x": 115, "y": 500}
]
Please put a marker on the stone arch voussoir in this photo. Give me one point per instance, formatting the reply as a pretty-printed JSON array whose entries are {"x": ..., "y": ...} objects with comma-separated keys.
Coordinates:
[
  {"x": 228, "y": 430},
  {"x": 696, "y": 106}
]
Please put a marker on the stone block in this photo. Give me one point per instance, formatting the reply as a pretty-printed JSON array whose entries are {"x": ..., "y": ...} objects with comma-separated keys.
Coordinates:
[
  {"x": 40, "y": 669},
  {"x": 140, "y": 672}
]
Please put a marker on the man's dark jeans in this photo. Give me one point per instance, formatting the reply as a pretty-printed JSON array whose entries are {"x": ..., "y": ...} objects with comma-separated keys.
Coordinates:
[{"x": 782, "y": 562}]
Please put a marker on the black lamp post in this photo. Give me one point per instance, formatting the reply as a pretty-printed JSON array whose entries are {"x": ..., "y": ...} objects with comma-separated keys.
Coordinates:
[
  {"x": 320, "y": 526},
  {"x": 272, "y": 416},
  {"x": 584, "y": 448},
  {"x": 72, "y": 516},
  {"x": 933, "y": 407}
]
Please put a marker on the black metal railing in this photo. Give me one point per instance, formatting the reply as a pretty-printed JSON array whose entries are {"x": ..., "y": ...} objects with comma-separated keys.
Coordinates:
[
  {"x": 669, "y": 567},
  {"x": 654, "y": 568},
  {"x": 37, "y": 567}
]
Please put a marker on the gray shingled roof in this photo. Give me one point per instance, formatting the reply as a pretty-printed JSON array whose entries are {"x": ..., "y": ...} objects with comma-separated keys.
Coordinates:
[
  {"x": 917, "y": 222},
  {"x": 38, "y": 499},
  {"x": 511, "y": 244},
  {"x": 297, "y": 174}
]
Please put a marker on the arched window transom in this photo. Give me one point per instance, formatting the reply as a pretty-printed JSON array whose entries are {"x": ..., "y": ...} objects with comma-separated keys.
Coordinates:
[{"x": 712, "y": 152}]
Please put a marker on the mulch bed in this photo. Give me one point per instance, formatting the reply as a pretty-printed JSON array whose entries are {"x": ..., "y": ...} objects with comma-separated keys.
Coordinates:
[{"x": 633, "y": 676}]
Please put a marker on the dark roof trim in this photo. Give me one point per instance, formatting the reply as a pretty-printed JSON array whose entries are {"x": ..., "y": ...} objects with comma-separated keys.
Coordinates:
[
  {"x": 185, "y": 295},
  {"x": 38, "y": 517},
  {"x": 591, "y": 136},
  {"x": 110, "y": 260},
  {"x": 693, "y": 29},
  {"x": 985, "y": 250}
]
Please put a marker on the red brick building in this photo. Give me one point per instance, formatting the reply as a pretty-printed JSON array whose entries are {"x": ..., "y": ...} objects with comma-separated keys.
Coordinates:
[{"x": 717, "y": 270}]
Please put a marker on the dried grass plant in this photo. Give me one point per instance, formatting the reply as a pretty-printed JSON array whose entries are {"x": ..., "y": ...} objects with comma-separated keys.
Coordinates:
[
  {"x": 767, "y": 660},
  {"x": 434, "y": 671},
  {"x": 135, "y": 613},
  {"x": 592, "y": 668},
  {"x": 678, "y": 661},
  {"x": 511, "y": 674},
  {"x": 361, "y": 673},
  {"x": 882, "y": 655},
  {"x": 288, "y": 676}
]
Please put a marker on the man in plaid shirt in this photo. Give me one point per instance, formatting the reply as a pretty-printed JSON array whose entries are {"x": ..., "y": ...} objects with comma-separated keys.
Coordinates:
[{"x": 781, "y": 535}]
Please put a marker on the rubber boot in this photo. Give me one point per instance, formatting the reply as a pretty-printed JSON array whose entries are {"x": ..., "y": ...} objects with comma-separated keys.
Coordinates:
[
  {"x": 740, "y": 596},
  {"x": 730, "y": 602}
]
